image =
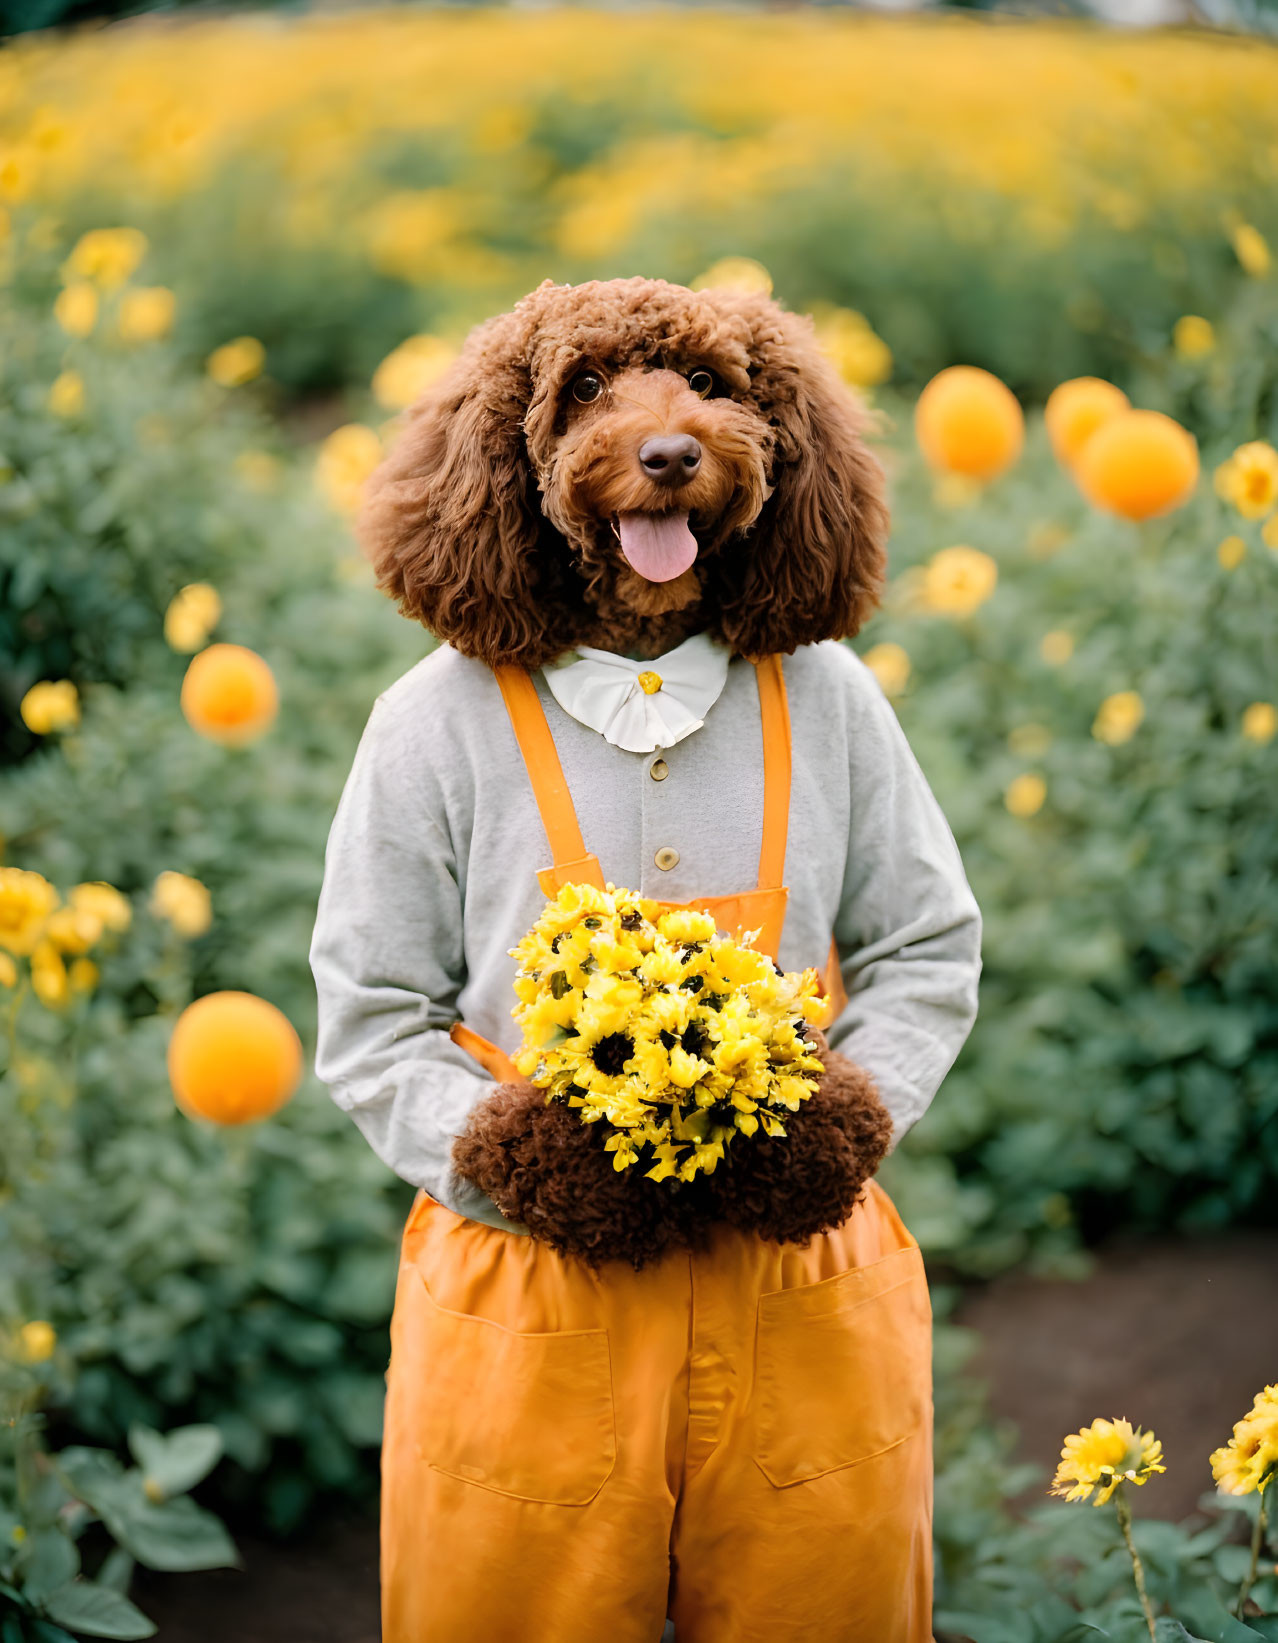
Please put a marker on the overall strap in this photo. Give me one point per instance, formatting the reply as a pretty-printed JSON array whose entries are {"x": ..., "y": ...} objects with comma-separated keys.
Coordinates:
[
  {"x": 774, "y": 711},
  {"x": 573, "y": 863}
]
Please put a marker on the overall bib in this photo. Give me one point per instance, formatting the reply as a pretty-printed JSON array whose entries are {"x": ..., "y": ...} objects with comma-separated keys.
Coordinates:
[{"x": 739, "y": 1437}]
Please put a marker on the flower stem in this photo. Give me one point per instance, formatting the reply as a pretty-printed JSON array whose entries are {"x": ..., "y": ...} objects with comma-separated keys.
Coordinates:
[
  {"x": 1257, "y": 1541},
  {"x": 1138, "y": 1568}
]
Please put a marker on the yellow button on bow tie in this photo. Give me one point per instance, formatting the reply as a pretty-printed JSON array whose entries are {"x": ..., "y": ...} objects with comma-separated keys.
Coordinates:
[{"x": 650, "y": 683}]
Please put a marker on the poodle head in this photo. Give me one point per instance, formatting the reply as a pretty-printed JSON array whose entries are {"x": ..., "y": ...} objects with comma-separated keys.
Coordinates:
[{"x": 624, "y": 463}]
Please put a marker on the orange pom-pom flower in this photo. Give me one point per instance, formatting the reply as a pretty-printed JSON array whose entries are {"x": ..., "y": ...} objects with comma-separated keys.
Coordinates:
[
  {"x": 1075, "y": 410},
  {"x": 229, "y": 694},
  {"x": 233, "y": 1058},
  {"x": 1139, "y": 464},
  {"x": 968, "y": 422}
]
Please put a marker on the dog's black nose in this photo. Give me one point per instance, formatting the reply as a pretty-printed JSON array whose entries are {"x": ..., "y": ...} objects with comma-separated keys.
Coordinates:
[{"x": 671, "y": 459}]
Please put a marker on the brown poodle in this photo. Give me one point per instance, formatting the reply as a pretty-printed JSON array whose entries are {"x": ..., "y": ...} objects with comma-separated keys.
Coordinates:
[{"x": 622, "y": 464}]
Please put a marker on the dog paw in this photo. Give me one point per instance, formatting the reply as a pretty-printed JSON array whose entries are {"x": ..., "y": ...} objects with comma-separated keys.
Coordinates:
[
  {"x": 789, "y": 1189},
  {"x": 543, "y": 1167}
]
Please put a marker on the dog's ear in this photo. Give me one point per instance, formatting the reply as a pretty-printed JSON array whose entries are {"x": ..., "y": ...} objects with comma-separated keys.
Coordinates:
[
  {"x": 817, "y": 554},
  {"x": 450, "y": 520}
]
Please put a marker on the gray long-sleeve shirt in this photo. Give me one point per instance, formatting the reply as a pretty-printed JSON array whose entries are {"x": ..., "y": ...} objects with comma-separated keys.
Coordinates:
[{"x": 430, "y": 878}]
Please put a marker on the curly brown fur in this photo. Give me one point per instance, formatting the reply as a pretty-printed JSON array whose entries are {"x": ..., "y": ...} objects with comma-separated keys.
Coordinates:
[
  {"x": 492, "y": 519},
  {"x": 791, "y": 1188},
  {"x": 542, "y": 1166}
]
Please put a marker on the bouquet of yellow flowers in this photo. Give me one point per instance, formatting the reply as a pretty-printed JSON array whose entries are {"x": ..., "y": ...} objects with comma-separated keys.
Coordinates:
[{"x": 674, "y": 1036}]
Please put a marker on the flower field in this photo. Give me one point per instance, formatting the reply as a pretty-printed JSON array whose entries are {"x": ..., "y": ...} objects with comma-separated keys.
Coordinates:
[{"x": 232, "y": 250}]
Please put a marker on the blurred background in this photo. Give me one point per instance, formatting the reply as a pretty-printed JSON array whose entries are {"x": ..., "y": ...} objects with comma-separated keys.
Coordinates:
[{"x": 233, "y": 247}]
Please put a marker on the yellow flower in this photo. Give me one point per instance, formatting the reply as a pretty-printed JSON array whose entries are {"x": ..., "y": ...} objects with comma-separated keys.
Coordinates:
[
  {"x": 36, "y": 1341},
  {"x": 346, "y": 460},
  {"x": 686, "y": 924},
  {"x": 406, "y": 373},
  {"x": 192, "y": 614},
  {"x": 1025, "y": 795},
  {"x": 107, "y": 256},
  {"x": 48, "y": 975},
  {"x": 237, "y": 362},
  {"x": 83, "y": 975},
  {"x": 1104, "y": 1455},
  {"x": 686, "y": 1069},
  {"x": 1249, "y": 1461},
  {"x": 146, "y": 314},
  {"x": 1056, "y": 647},
  {"x": 1193, "y": 336},
  {"x": 73, "y": 930},
  {"x": 412, "y": 235},
  {"x": 742, "y": 274},
  {"x": 1118, "y": 717},
  {"x": 1269, "y": 533},
  {"x": 1231, "y": 552},
  {"x": 113, "y": 910},
  {"x": 957, "y": 581},
  {"x": 1249, "y": 479},
  {"x": 890, "y": 665},
  {"x": 673, "y": 1036},
  {"x": 1260, "y": 721},
  {"x": 26, "y": 901},
  {"x": 53, "y": 704},
  {"x": 8, "y": 971},
  {"x": 66, "y": 395},
  {"x": 1251, "y": 249},
  {"x": 183, "y": 901},
  {"x": 955, "y": 490},
  {"x": 850, "y": 343},
  {"x": 259, "y": 470},
  {"x": 76, "y": 308}
]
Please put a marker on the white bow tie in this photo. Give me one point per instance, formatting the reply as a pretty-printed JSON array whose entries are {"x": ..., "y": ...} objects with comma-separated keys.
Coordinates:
[{"x": 641, "y": 706}]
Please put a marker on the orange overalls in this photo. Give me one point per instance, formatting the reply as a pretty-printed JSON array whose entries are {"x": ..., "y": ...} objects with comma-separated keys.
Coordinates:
[{"x": 739, "y": 1437}]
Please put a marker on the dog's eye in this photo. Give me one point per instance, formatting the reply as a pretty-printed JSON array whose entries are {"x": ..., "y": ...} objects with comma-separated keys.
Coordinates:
[
  {"x": 701, "y": 383},
  {"x": 587, "y": 387}
]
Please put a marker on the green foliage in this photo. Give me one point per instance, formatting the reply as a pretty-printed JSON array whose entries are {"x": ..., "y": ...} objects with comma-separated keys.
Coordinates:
[
  {"x": 55, "y": 1508},
  {"x": 239, "y": 1280},
  {"x": 1062, "y": 1575},
  {"x": 1059, "y": 1573},
  {"x": 1123, "y": 1070}
]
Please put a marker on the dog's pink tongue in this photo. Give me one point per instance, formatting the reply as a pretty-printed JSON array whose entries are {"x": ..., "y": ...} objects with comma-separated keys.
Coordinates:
[{"x": 658, "y": 545}]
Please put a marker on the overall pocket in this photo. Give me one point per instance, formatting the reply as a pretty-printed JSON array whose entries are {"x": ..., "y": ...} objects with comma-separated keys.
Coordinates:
[
  {"x": 843, "y": 1368},
  {"x": 528, "y": 1415}
]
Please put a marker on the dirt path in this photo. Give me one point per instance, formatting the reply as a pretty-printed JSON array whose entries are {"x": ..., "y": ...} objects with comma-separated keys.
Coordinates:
[
  {"x": 323, "y": 1590},
  {"x": 1177, "y": 1337}
]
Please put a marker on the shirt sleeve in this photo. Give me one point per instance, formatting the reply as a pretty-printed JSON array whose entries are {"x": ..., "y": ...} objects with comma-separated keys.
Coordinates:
[
  {"x": 908, "y": 928},
  {"x": 387, "y": 957}
]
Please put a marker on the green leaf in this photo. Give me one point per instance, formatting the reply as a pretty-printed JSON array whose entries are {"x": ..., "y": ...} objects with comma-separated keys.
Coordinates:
[
  {"x": 1167, "y": 1630},
  {"x": 44, "y": 1631},
  {"x": 176, "y": 1461},
  {"x": 49, "y": 1561},
  {"x": 117, "y": 1570},
  {"x": 1234, "y": 1631},
  {"x": 178, "y": 1535},
  {"x": 98, "y": 1611}
]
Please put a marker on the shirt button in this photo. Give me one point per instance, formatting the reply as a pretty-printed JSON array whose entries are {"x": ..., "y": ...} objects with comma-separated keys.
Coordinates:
[
  {"x": 658, "y": 770},
  {"x": 666, "y": 858}
]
